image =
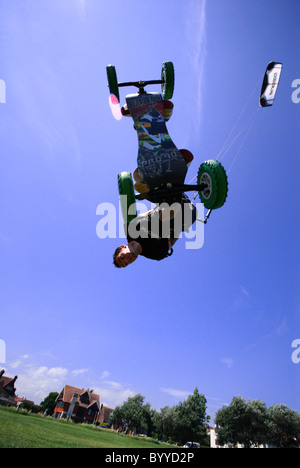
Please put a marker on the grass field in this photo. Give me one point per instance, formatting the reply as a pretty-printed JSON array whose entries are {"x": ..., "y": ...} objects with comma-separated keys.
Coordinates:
[{"x": 19, "y": 430}]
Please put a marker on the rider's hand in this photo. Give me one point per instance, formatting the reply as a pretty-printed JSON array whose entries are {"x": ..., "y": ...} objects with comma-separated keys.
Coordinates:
[{"x": 125, "y": 111}]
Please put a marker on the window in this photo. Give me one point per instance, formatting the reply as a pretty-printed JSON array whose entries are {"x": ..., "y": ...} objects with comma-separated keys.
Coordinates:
[{"x": 84, "y": 399}]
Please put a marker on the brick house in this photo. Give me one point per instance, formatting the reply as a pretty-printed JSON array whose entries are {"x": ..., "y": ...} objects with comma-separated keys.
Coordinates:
[
  {"x": 7, "y": 389},
  {"x": 77, "y": 404},
  {"x": 104, "y": 416}
]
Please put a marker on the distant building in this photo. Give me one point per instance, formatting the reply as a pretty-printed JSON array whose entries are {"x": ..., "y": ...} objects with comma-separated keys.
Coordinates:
[
  {"x": 7, "y": 390},
  {"x": 213, "y": 434},
  {"x": 20, "y": 401},
  {"x": 79, "y": 405}
]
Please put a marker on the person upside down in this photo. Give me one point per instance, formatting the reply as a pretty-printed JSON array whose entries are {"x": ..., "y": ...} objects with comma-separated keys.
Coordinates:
[{"x": 154, "y": 233}]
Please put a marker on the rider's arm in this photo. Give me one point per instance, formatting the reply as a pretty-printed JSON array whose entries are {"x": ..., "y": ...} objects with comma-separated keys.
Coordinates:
[{"x": 125, "y": 111}]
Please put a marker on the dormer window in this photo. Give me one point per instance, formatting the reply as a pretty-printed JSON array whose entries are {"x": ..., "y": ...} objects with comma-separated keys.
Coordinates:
[{"x": 84, "y": 398}]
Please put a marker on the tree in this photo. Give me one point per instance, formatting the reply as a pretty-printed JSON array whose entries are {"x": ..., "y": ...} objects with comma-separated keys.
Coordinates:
[
  {"x": 28, "y": 406},
  {"x": 253, "y": 424},
  {"x": 283, "y": 426},
  {"x": 133, "y": 414},
  {"x": 148, "y": 419},
  {"x": 257, "y": 414},
  {"x": 49, "y": 403},
  {"x": 242, "y": 423},
  {"x": 192, "y": 418},
  {"x": 166, "y": 423},
  {"x": 117, "y": 417}
]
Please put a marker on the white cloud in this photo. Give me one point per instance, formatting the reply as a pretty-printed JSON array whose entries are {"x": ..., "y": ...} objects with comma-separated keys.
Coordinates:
[
  {"x": 228, "y": 362},
  {"x": 176, "y": 393},
  {"x": 82, "y": 9},
  {"x": 113, "y": 384},
  {"x": 113, "y": 397},
  {"x": 16, "y": 364},
  {"x": 282, "y": 328},
  {"x": 245, "y": 292},
  {"x": 242, "y": 298},
  {"x": 57, "y": 372},
  {"x": 105, "y": 374},
  {"x": 37, "y": 382},
  {"x": 79, "y": 372},
  {"x": 113, "y": 393}
]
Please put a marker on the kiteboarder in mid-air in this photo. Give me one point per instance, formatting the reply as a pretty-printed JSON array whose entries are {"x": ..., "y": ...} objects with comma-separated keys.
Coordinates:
[{"x": 160, "y": 175}]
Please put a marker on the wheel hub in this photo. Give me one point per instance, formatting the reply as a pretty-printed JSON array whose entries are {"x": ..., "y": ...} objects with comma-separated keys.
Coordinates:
[{"x": 206, "y": 179}]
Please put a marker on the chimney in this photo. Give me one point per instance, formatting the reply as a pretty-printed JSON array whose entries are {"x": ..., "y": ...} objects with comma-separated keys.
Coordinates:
[
  {"x": 72, "y": 405},
  {"x": 1, "y": 373},
  {"x": 14, "y": 379}
]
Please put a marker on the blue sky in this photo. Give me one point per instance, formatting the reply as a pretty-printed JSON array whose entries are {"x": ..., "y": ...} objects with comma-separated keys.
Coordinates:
[{"x": 222, "y": 318}]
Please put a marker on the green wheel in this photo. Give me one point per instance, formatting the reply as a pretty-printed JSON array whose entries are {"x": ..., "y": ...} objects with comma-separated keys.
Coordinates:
[
  {"x": 127, "y": 196},
  {"x": 112, "y": 81},
  {"x": 213, "y": 174},
  {"x": 168, "y": 76}
]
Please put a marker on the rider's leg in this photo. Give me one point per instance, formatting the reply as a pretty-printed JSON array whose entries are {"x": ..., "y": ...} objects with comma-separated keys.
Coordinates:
[{"x": 140, "y": 185}]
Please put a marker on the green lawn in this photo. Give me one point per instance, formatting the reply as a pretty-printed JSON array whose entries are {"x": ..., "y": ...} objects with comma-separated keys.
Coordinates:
[{"x": 33, "y": 431}]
